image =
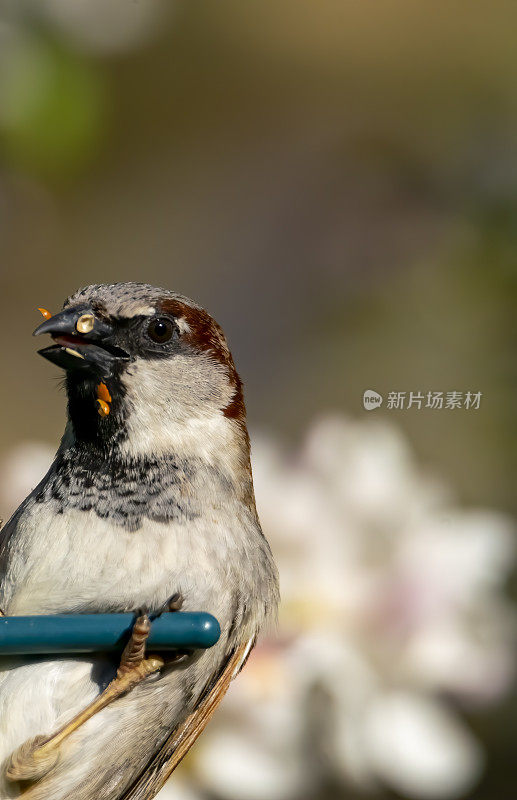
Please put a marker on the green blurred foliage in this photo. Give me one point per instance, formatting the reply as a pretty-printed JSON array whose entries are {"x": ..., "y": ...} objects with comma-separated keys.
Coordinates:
[{"x": 53, "y": 106}]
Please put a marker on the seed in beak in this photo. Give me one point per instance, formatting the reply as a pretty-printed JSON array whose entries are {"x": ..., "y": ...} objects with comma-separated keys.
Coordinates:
[
  {"x": 85, "y": 323},
  {"x": 74, "y": 353},
  {"x": 45, "y": 313}
]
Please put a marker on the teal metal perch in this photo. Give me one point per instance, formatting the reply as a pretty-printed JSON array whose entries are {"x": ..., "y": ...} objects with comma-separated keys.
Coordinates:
[{"x": 88, "y": 633}]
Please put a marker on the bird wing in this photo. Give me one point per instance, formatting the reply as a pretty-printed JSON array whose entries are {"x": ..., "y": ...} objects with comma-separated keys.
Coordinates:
[
  {"x": 9, "y": 529},
  {"x": 176, "y": 747}
]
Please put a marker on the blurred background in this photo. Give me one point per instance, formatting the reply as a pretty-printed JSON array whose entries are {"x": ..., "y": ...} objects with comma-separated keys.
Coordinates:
[{"x": 336, "y": 183}]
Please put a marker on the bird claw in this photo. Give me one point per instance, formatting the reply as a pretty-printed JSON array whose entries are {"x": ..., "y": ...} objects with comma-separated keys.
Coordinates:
[{"x": 172, "y": 604}]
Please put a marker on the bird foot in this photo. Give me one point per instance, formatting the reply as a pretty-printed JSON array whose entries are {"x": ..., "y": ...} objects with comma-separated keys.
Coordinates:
[
  {"x": 37, "y": 756},
  {"x": 134, "y": 651}
]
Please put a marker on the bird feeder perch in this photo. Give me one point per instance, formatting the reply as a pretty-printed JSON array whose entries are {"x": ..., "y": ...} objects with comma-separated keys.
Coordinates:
[{"x": 66, "y": 634}]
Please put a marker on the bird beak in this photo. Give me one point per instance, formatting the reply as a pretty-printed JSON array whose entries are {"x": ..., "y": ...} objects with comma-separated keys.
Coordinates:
[{"x": 82, "y": 341}]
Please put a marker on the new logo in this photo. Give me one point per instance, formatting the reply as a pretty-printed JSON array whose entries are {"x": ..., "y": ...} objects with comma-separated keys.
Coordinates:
[{"x": 371, "y": 400}]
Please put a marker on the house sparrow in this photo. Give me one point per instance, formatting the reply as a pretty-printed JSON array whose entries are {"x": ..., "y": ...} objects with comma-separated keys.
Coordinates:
[{"x": 150, "y": 497}]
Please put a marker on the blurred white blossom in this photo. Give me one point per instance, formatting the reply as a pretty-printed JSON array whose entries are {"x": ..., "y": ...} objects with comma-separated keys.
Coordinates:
[
  {"x": 178, "y": 789},
  {"x": 21, "y": 469},
  {"x": 393, "y": 619}
]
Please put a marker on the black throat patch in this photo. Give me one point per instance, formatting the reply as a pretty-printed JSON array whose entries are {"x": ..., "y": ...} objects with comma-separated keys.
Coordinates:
[{"x": 125, "y": 491}]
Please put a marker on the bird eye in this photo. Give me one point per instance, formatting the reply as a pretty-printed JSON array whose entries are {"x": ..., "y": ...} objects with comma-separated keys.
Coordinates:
[{"x": 160, "y": 330}]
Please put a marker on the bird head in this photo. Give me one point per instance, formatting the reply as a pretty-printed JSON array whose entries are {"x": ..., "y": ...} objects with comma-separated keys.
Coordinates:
[{"x": 146, "y": 368}]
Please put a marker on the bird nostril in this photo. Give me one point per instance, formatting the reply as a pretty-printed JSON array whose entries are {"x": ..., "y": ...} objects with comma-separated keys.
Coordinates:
[{"x": 85, "y": 323}]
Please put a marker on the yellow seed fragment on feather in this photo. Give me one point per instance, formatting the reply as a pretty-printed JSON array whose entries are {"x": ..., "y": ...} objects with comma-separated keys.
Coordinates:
[
  {"x": 103, "y": 408},
  {"x": 45, "y": 313},
  {"x": 103, "y": 393}
]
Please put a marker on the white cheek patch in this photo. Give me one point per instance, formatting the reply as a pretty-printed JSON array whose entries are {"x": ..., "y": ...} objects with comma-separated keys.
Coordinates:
[{"x": 175, "y": 406}]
